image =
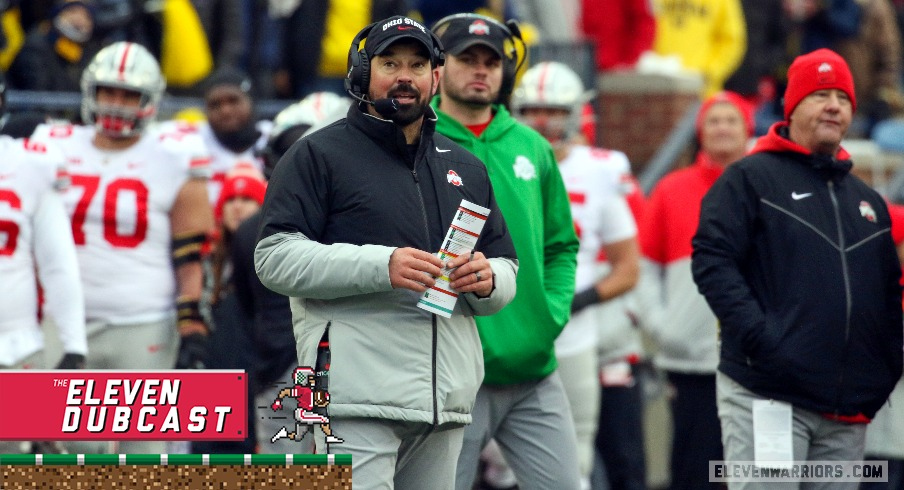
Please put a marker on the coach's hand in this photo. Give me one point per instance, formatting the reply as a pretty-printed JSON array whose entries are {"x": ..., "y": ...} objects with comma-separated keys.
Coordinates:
[
  {"x": 472, "y": 274},
  {"x": 413, "y": 269}
]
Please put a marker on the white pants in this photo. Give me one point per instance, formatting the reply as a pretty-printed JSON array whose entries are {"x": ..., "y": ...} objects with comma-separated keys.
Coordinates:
[{"x": 580, "y": 377}]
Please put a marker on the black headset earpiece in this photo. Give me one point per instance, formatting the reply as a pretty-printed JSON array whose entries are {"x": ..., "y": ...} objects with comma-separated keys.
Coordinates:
[
  {"x": 514, "y": 28},
  {"x": 439, "y": 53},
  {"x": 358, "y": 77},
  {"x": 511, "y": 62},
  {"x": 357, "y": 80},
  {"x": 514, "y": 63}
]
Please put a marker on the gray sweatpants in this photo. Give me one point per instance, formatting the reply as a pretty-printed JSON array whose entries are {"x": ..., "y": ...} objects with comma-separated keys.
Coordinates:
[
  {"x": 532, "y": 424},
  {"x": 815, "y": 438},
  {"x": 390, "y": 454}
]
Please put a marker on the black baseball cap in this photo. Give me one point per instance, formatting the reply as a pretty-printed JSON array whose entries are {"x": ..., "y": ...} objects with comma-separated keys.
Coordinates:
[
  {"x": 462, "y": 32},
  {"x": 388, "y": 31}
]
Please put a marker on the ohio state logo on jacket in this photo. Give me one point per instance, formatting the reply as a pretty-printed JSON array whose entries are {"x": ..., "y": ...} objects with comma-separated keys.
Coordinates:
[
  {"x": 867, "y": 211},
  {"x": 453, "y": 178}
]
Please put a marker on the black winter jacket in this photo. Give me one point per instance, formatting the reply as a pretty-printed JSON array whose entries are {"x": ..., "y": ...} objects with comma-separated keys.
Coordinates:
[
  {"x": 794, "y": 256},
  {"x": 363, "y": 167}
]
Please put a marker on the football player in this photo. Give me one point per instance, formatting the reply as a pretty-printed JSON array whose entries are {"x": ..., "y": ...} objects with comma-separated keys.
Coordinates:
[
  {"x": 140, "y": 213},
  {"x": 231, "y": 135},
  {"x": 36, "y": 248},
  {"x": 34, "y": 236}
]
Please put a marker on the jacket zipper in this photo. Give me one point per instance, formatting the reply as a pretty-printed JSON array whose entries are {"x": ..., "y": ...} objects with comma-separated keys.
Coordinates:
[
  {"x": 433, "y": 346},
  {"x": 323, "y": 359},
  {"x": 847, "y": 292},
  {"x": 435, "y": 407}
]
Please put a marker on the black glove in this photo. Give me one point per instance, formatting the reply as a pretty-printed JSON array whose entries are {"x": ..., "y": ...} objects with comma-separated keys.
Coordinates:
[
  {"x": 584, "y": 299},
  {"x": 192, "y": 352},
  {"x": 71, "y": 361}
]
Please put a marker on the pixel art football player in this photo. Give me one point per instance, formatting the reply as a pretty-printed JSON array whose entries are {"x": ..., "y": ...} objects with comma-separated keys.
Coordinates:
[{"x": 311, "y": 409}]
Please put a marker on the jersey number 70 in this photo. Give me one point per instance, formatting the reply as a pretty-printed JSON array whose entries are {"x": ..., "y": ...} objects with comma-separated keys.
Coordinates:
[{"x": 90, "y": 184}]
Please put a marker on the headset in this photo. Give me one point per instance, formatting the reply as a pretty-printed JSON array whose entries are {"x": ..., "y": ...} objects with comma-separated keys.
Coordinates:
[
  {"x": 357, "y": 81},
  {"x": 510, "y": 61}
]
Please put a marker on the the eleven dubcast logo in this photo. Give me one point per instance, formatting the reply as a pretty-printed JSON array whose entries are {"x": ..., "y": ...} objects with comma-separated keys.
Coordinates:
[{"x": 798, "y": 471}]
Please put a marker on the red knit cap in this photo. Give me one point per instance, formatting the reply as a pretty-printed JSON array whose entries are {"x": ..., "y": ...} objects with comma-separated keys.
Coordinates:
[
  {"x": 240, "y": 186},
  {"x": 740, "y": 103},
  {"x": 820, "y": 70}
]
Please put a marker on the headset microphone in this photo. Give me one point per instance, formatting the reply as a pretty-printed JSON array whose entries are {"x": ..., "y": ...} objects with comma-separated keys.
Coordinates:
[{"x": 384, "y": 107}]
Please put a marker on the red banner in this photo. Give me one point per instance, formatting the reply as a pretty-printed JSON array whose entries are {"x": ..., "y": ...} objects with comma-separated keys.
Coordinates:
[{"x": 83, "y": 405}]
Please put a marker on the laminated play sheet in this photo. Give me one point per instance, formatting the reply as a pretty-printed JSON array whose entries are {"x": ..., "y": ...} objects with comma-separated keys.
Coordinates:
[{"x": 460, "y": 238}]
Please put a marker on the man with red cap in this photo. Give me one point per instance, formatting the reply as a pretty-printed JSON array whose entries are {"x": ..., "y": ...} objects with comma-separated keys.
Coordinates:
[{"x": 795, "y": 257}]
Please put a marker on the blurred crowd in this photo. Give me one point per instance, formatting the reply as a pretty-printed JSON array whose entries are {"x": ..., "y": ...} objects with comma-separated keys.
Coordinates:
[{"x": 292, "y": 48}]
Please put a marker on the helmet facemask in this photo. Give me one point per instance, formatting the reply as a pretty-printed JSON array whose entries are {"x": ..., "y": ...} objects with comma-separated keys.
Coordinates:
[
  {"x": 557, "y": 124},
  {"x": 119, "y": 121},
  {"x": 552, "y": 86},
  {"x": 128, "y": 67}
]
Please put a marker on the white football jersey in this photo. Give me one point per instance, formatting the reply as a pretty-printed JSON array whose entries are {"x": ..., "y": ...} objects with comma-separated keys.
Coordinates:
[
  {"x": 222, "y": 159},
  {"x": 119, "y": 203},
  {"x": 34, "y": 237},
  {"x": 594, "y": 179}
]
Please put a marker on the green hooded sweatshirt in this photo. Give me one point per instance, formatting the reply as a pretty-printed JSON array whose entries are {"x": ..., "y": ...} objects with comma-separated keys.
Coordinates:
[{"x": 518, "y": 341}]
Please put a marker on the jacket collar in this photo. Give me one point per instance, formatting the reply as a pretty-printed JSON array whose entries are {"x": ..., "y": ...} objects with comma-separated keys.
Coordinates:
[
  {"x": 776, "y": 140},
  {"x": 388, "y": 134}
]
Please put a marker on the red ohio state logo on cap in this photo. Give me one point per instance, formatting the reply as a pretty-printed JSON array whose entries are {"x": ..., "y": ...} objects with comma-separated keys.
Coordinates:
[
  {"x": 479, "y": 27},
  {"x": 825, "y": 73}
]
